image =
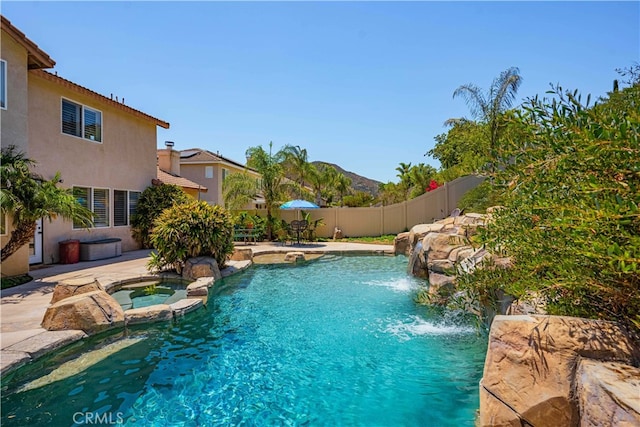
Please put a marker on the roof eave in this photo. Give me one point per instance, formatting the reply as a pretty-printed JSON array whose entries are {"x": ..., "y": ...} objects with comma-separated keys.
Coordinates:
[{"x": 36, "y": 57}]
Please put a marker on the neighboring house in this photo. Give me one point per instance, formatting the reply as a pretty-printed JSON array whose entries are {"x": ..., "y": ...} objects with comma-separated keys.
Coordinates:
[
  {"x": 210, "y": 170},
  {"x": 104, "y": 149},
  {"x": 169, "y": 173}
]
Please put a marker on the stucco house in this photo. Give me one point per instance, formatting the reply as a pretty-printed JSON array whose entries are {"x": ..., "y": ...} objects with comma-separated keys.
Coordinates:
[
  {"x": 205, "y": 168},
  {"x": 104, "y": 149}
]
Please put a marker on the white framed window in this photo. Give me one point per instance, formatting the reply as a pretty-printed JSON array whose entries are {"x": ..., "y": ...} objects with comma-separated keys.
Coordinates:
[
  {"x": 208, "y": 172},
  {"x": 97, "y": 201},
  {"x": 81, "y": 121},
  {"x": 225, "y": 173},
  {"x": 124, "y": 206},
  {"x": 3, "y": 84}
]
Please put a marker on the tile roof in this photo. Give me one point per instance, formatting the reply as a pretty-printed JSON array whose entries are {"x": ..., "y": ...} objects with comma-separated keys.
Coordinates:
[
  {"x": 83, "y": 90},
  {"x": 169, "y": 178},
  {"x": 36, "y": 57},
  {"x": 198, "y": 155}
]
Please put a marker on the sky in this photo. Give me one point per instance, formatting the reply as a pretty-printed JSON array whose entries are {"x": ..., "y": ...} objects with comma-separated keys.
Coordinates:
[{"x": 365, "y": 85}]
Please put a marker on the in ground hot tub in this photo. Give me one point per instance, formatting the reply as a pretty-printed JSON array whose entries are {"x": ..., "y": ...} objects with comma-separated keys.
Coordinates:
[{"x": 100, "y": 249}]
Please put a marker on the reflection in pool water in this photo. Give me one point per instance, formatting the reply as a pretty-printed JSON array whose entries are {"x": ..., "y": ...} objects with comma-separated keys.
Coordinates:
[{"x": 337, "y": 341}]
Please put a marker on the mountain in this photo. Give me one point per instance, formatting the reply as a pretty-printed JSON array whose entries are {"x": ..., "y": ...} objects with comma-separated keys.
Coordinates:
[{"x": 358, "y": 182}]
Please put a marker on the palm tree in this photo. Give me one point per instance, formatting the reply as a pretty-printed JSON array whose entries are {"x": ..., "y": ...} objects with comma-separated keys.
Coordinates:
[
  {"x": 490, "y": 107},
  {"x": 420, "y": 175},
  {"x": 297, "y": 163},
  {"x": 275, "y": 188},
  {"x": 27, "y": 197},
  {"x": 405, "y": 178},
  {"x": 343, "y": 186}
]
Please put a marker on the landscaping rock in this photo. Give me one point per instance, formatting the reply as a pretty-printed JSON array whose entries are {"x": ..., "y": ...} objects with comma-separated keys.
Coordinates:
[
  {"x": 401, "y": 244},
  {"x": 294, "y": 257},
  {"x": 200, "y": 288},
  {"x": 198, "y": 267},
  {"x": 70, "y": 287},
  {"x": 530, "y": 367},
  {"x": 438, "y": 281},
  {"x": 91, "y": 312},
  {"x": 608, "y": 393},
  {"x": 184, "y": 306},
  {"x": 153, "y": 313},
  {"x": 45, "y": 342},
  {"x": 242, "y": 254}
]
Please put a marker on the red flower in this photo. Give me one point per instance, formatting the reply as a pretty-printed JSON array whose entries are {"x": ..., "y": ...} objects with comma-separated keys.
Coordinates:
[{"x": 432, "y": 186}]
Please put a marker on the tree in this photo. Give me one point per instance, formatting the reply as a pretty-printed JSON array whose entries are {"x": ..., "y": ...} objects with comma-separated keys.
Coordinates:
[
  {"x": 571, "y": 221},
  {"x": 421, "y": 176},
  {"x": 343, "y": 186},
  {"x": 405, "y": 179},
  {"x": 273, "y": 185},
  {"x": 297, "y": 164},
  {"x": 27, "y": 197},
  {"x": 190, "y": 230},
  {"x": 488, "y": 108},
  {"x": 152, "y": 202},
  {"x": 239, "y": 189}
]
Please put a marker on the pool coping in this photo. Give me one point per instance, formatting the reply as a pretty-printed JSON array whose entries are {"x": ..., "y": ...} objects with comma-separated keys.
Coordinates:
[{"x": 25, "y": 342}]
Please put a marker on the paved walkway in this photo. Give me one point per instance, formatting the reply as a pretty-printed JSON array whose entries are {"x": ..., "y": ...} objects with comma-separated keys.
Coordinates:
[{"x": 22, "y": 308}]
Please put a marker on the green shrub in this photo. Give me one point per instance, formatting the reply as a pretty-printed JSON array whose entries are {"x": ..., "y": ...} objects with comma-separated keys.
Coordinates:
[
  {"x": 152, "y": 202},
  {"x": 571, "y": 221},
  {"x": 189, "y": 230},
  {"x": 480, "y": 198}
]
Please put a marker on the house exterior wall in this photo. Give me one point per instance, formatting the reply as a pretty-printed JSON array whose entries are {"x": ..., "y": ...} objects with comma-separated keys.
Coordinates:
[
  {"x": 124, "y": 160},
  {"x": 196, "y": 173},
  {"x": 14, "y": 117},
  {"x": 13, "y": 131}
]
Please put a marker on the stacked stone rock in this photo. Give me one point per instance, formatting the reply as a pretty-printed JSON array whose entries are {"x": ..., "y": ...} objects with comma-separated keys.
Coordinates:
[
  {"x": 539, "y": 370},
  {"x": 438, "y": 251},
  {"x": 83, "y": 304},
  {"x": 559, "y": 371}
]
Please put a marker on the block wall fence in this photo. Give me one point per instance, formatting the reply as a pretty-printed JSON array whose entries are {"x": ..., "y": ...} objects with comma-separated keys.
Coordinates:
[{"x": 392, "y": 219}]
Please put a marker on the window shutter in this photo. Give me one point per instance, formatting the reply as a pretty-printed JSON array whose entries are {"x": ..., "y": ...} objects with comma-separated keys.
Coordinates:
[
  {"x": 92, "y": 125},
  {"x": 133, "y": 202},
  {"x": 71, "y": 118},
  {"x": 101, "y": 207},
  {"x": 120, "y": 207}
]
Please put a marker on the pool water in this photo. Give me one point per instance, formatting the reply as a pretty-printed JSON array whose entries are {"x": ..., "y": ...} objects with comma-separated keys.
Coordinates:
[
  {"x": 150, "y": 293},
  {"x": 337, "y": 341}
]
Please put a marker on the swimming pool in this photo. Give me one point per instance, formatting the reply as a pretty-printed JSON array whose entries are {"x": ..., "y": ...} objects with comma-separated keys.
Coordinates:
[{"x": 337, "y": 341}]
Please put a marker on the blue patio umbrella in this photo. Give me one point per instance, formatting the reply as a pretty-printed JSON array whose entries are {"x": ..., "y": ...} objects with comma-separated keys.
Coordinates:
[{"x": 299, "y": 204}]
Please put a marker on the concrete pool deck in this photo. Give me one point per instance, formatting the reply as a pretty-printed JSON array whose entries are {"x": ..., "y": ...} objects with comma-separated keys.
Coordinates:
[{"x": 22, "y": 338}]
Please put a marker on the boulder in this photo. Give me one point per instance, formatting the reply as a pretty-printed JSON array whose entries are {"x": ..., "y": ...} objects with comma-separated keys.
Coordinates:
[
  {"x": 294, "y": 257},
  {"x": 608, "y": 393},
  {"x": 200, "y": 288},
  {"x": 150, "y": 314},
  {"x": 70, "y": 287},
  {"x": 438, "y": 281},
  {"x": 401, "y": 244},
  {"x": 530, "y": 366},
  {"x": 418, "y": 232},
  {"x": 91, "y": 312},
  {"x": 439, "y": 245},
  {"x": 242, "y": 254},
  {"x": 202, "y": 266}
]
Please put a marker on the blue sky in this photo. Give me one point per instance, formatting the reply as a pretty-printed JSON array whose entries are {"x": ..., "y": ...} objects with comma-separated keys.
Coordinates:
[{"x": 366, "y": 85}]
